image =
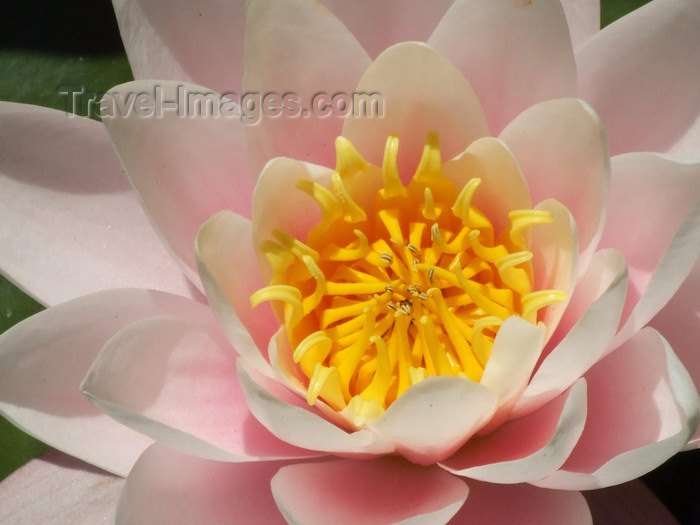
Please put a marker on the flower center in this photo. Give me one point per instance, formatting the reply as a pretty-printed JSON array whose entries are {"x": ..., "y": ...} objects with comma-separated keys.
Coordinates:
[{"x": 414, "y": 282}]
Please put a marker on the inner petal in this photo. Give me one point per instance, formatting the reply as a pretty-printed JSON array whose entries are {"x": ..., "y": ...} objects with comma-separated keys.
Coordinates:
[{"x": 414, "y": 283}]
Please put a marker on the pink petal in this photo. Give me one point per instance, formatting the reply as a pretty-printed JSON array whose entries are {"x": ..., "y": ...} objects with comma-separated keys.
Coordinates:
[
  {"x": 641, "y": 74},
  {"x": 167, "y": 486},
  {"x": 642, "y": 408},
  {"x": 288, "y": 417},
  {"x": 457, "y": 407},
  {"x": 560, "y": 146},
  {"x": 149, "y": 56},
  {"x": 297, "y": 47},
  {"x": 584, "y": 332},
  {"x": 528, "y": 448},
  {"x": 654, "y": 220},
  {"x": 386, "y": 490},
  {"x": 45, "y": 357},
  {"x": 175, "y": 380},
  {"x": 678, "y": 322},
  {"x": 200, "y": 41},
  {"x": 70, "y": 222},
  {"x": 583, "y": 19},
  {"x": 422, "y": 91},
  {"x": 55, "y": 488},
  {"x": 184, "y": 168},
  {"x": 228, "y": 267},
  {"x": 514, "y": 54},
  {"x": 502, "y": 187},
  {"x": 522, "y": 505},
  {"x": 379, "y": 25}
]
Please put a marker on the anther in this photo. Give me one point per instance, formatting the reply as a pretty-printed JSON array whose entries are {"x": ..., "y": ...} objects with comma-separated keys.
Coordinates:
[{"x": 386, "y": 257}]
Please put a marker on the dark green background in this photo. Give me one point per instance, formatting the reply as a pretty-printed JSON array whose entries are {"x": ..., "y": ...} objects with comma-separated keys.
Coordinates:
[{"x": 47, "y": 44}]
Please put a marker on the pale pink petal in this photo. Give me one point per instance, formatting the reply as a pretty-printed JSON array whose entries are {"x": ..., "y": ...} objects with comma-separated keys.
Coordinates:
[
  {"x": 584, "y": 332},
  {"x": 148, "y": 54},
  {"x": 642, "y": 408},
  {"x": 167, "y": 486},
  {"x": 679, "y": 322},
  {"x": 184, "y": 165},
  {"x": 502, "y": 188},
  {"x": 56, "y": 488},
  {"x": 514, "y": 54},
  {"x": 44, "y": 358},
  {"x": 422, "y": 91},
  {"x": 387, "y": 490},
  {"x": 201, "y": 40},
  {"x": 70, "y": 222},
  {"x": 379, "y": 25},
  {"x": 583, "y": 19},
  {"x": 175, "y": 381},
  {"x": 561, "y": 148},
  {"x": 554, "y": 247},
  {"x": 457, "y": 407},
  {"x": 288, "y": 417},
  {"x": 654, "y": 220},
  {"x": 297, "y": 47},
  {"x": 632, "y": 503},
  {"x": 515, "y": 352},
  {"x": 228, "y": 267},
  {"x": 641, "y": 75},
  {"x": 528, "y": 448},
  {"x": 522, "y": 505}
]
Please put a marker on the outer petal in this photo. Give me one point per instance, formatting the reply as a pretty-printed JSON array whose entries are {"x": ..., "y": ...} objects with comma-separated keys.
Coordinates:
[
  {"x": 288, "y": 417},
  {"x": 184, "y": 40},
  {"x": 584, "y": 332},
  {"x": 457, "y": 407},
  {"x": 45, "y": 357},
  {"x": 379, "y": 25},
  {"x": 679, "y": 322},
  {"x": 583, "y": 18},
  {"x": 297, "y": 47},
  {"x": 522, "y": 505},
  {"x": 641, "y": 73},
  {"x": 561, "y": 148},
  {"x": 175, "y": 381},
  {"x": 643, "y": 407},
  {"x": 422, "y": 91},
  {"x": 70, "y": 222},
  {"x": 515, "y": 54},
  {"x": 191, "y": 490},
  {"x": 185, "y": 166},
  {"x": 386, "y": 490},
  {"x": 55, "y": 488},
  {"x": 528, "y": 448},
  {"x": 655, "y": 223},
  {"x": 149, "y": 56},
  {"x": 228, "y": 267}
]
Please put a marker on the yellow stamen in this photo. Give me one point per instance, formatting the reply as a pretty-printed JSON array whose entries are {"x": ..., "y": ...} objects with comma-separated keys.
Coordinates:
[{"x": 377, "y": 299}]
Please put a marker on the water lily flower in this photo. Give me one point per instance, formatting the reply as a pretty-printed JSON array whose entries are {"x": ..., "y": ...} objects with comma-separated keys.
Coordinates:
[{"x": 411, "y": 317}]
